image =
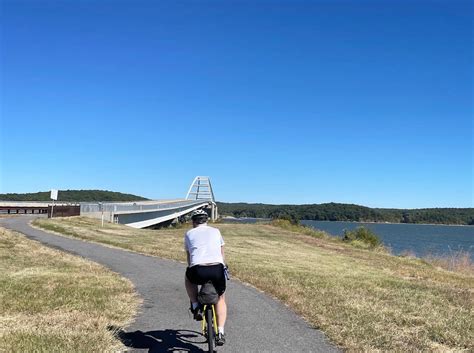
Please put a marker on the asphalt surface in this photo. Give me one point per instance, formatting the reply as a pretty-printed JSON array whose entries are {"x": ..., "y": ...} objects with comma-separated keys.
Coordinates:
[{"x": 256, "y": 322}]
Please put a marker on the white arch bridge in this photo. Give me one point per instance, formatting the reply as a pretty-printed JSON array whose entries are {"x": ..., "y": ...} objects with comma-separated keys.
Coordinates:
[{"x": 142, "y": 214}]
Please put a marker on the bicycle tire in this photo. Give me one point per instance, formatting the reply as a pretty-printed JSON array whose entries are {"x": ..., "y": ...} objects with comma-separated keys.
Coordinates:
[{"x": 210, "y": 328}]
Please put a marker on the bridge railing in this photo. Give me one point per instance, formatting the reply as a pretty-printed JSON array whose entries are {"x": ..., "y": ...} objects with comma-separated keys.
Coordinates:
[{"x": 134, "y": 207}]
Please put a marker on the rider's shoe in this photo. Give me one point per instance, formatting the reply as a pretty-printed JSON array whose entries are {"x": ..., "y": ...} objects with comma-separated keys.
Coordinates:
[
  {"x": 220, "y": 339},
  {"x": 197, "y": 313}
]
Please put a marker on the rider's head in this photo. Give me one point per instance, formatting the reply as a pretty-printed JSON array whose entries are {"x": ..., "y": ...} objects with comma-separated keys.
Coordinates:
[{"x": 199, "y": 217}]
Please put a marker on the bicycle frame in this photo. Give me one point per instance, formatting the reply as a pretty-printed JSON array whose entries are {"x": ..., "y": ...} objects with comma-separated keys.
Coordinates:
[{"x": 214, "y": 319}]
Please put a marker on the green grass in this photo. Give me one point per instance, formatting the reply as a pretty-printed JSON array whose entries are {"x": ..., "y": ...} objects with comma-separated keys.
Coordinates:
[
  {"x": 364, "y": 300},
  {"x": 55, "y": 302}
]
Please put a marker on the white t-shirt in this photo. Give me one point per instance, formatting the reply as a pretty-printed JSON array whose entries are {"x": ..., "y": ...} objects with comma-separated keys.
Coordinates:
[{"x": 204, "y": 245}]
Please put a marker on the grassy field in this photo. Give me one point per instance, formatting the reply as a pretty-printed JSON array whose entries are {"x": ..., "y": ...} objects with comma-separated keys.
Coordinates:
[
  {"x": 55, "y": 302},
  {"x": 363, "y": 300}
]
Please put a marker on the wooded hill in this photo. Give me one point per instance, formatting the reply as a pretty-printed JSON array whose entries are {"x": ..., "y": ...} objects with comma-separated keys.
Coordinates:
[
  {"x": 349, "y": 212},
  {"x": 317, "y": 212},
  {"x": 73, "y": 196}
]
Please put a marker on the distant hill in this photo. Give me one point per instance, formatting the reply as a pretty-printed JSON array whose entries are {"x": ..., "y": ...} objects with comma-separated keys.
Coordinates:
[
  {"x": 74, "y": 196},
  {"x": 349, "y": 212}
]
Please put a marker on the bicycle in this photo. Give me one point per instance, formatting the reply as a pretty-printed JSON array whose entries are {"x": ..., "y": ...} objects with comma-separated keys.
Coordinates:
[{"x": 208, "y": 298}]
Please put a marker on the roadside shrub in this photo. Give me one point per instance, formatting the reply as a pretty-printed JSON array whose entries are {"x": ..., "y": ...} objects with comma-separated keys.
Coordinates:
[{"x": 362, "y": 237}]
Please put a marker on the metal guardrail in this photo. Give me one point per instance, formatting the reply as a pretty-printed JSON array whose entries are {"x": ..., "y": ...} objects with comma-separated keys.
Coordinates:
[
  {"x": 116, "y": 207},
  {"x": 35, "y": 203}
]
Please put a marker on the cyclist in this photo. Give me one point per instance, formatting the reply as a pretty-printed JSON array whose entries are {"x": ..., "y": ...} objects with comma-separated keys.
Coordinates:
[{"x": 204, "y": 247}]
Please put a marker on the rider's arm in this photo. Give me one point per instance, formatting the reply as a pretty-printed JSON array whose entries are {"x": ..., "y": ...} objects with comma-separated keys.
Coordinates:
[
  {"x": 186, "y": 248},
  {"x": 222, "y": 252}
]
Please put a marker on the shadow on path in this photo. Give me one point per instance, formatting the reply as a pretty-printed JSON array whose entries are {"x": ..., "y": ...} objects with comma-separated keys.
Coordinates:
[
  {"x": 162, "y": 341},
  {"x": 277, "y": 327}
]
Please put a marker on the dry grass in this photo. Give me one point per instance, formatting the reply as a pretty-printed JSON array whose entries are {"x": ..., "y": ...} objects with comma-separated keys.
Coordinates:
[
  {"x": 363, "y": 300},
  {"x": 55, "y": 302},
  {"x": 458, "y": 261}
]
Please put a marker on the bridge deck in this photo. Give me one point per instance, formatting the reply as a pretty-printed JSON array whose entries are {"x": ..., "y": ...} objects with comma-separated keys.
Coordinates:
[
  {"x": 142, "y": 214},
  {"x": 137, "y": 214}
]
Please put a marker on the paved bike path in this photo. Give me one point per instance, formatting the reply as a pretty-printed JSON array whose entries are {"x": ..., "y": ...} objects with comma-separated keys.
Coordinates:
[{"x": 256, "y": 323}]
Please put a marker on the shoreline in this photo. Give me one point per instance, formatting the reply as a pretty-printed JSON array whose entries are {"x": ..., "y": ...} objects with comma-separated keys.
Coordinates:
[
  {"x": 343, "y": 269},
  {"x": 394, "y": 223},
  {"x": 359, "y": 222},
  {"x": 433, "y": 240}
]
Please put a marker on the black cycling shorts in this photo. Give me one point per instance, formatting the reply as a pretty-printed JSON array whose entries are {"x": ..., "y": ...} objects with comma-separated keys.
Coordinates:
[{"x": 201, "y": 274}]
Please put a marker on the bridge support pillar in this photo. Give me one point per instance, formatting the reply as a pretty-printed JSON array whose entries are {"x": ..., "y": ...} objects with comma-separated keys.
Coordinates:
[{"x": 213, "y": 212}]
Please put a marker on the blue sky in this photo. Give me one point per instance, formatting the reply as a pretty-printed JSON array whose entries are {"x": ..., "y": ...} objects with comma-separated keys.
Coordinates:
[{"x": 365, "y": 102}]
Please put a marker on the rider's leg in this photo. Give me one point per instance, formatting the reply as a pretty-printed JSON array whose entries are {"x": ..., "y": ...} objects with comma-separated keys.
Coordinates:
[
  {"x": 221, "y": 308},
  {"x": 191, "y": 289}
]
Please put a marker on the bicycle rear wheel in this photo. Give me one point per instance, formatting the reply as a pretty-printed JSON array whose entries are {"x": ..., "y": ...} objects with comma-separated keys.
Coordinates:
[{"x": 210, "y": 328}]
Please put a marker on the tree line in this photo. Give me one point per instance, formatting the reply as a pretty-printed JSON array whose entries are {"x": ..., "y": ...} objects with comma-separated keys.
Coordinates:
[
  {"x": 73, "y": 196},
  {"x": 317, "y": 212},
  {"x": 349, "y": 212}
]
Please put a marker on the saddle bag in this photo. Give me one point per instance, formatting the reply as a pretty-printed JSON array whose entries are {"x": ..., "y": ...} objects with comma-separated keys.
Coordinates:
[{"x": 208, "y": 294}]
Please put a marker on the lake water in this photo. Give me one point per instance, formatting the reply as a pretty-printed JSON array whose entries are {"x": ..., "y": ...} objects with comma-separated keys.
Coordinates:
[{"x": 417, "y": 238}]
